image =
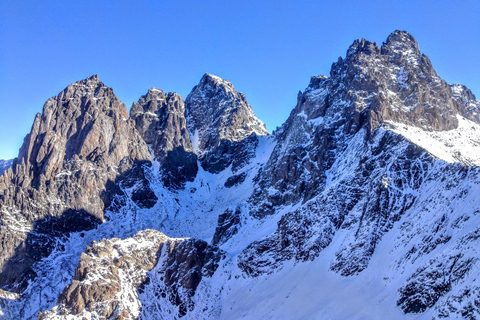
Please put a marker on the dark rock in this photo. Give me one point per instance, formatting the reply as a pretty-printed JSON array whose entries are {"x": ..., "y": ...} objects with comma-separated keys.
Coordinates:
[
  {"x": 228, "y": 225},
  {"x": 219, "y": 119},
  {"x": 160, "y": 120},
  {"x": 235, "y": 179},
  {"x": 65, "y": 166}
]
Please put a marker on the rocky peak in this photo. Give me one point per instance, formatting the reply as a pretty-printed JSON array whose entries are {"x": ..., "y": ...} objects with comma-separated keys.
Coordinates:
[
  {"x": 214, "y": 103},
  {"x": 362, "y": 46},
  {"x": 64, "y": 176},
  {"x": 160, "y": 120},
  {"x": 468, "y": 100},
  {"x": 83, "y": 121},
  {"x": 218, "y": 115},
  {"x": 400, "y": 43},
  {"x": 369, "y": 88}
]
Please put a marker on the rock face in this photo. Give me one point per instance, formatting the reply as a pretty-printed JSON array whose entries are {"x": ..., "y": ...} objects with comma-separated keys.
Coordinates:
[
  {"x": 63, "y": 175},
  {"x": 160, "y": 120},
  {"x": 371, "y": 87},
  {"x": 364, "y": 204},
  {"x": 111, "y": 273},
  {"x": 222, "y": 124},
  {"x": 470, "y": 103}
]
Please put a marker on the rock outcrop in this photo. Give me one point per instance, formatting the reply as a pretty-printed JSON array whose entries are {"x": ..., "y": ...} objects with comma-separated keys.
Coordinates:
[
  {"x": 64, "y": 174},
  {"x": 112, "y": 273},
  {"x": 160, "y": 120},
  {"x": 222, "y": 124}
]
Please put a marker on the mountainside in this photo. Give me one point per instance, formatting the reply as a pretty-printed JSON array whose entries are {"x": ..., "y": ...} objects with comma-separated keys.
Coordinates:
[{"x": 363, "y": 205}]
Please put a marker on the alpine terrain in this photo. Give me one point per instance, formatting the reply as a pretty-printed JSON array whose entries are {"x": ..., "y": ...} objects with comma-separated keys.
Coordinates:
[{"x": 363, "y": 205}]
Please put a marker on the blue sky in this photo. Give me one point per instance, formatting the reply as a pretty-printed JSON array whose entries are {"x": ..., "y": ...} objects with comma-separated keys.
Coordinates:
[{"x": 267, "y": 49}]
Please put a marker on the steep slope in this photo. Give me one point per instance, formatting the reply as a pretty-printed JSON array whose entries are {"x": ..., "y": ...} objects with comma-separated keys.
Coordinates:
[
  {"x": 62, "y": 179},
  {"x": 371, "y": 87},
  {"x": 363, "y": 205},
  {"x": 222, "y": 124},
  {"x": 160, "y": 120},
  {"x": 111, "y": 272}
]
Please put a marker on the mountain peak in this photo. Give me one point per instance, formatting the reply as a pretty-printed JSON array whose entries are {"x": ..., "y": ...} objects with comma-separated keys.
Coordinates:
[
  {"x": 401, "y": 43},
  {"x": 213, "y": 84},
  {"x": 227, "y": 110},
  {"x": 216, "y": 112},
  {"x": 362, "y": 45}
]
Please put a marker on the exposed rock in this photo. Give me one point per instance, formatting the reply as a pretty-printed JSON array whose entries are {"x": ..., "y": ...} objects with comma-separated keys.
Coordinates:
[
  {"x": 160, "y": 120},
  {"x": 111, "y": 273},
  {"x": 354, "y": 200},
  {"x": 222, "y": 124},
  {"x": 465, "y": 96},
  {"x": 228, "y": 225},
  {"x": 235, "y": 179},
  {"x": 367, "y": 89},
  {"x": 73, "y": 154}
]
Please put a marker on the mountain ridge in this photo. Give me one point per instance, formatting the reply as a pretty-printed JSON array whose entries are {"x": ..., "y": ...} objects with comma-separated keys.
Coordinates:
[{"x": 341, "y": 198}]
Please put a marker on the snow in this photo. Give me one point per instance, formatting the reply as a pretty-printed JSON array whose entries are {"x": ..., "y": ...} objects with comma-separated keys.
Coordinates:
[
  {"x": 457, "y": 145},
  {"x": 195, "y": 142}
]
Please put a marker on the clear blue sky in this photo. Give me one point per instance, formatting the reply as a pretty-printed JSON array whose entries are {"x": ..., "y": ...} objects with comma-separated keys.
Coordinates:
[{"x": 267, "y": 49}]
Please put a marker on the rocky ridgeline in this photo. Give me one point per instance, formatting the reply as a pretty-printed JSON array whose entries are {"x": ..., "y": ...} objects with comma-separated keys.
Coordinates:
[
  {"x": 369, "y": 88},
  {"x": 340, "y": 186},
  {"x": 62, "y": 179}
]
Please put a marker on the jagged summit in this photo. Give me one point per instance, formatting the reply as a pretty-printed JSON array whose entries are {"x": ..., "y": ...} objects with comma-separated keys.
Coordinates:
[
  {"x": 160, "y": 120},
  {"x": 401, "y": 42},
  {"x": 219, "y": 117},
  {"x": 391, "y": 87},
  {"x": 215, "y": 105},
  {"x": 362, "y": 46},
  {"x": 64, "y": 174},
  {"x": 393, "y": 83},
  {"x": 216, "y": 83}
]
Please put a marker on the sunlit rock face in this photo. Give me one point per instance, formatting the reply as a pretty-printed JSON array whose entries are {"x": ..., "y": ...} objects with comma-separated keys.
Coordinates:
[
  {"x": 222, "y": 124},
  {"x": 63, "y": 178}
]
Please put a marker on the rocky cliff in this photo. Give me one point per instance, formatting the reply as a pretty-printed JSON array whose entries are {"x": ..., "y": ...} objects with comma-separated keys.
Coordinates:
[
  {"x": 62, "y": 180},
  {"x": 222, "y": 124},
  {"x": 160, "y": 120},
  {"x": 363, "y": 205}
]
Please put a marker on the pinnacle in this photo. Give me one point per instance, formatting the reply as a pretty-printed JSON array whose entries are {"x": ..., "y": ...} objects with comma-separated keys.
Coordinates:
[
  {"x": 214, "y": 81},
  {"x": 362, "y": 45},
  {"x": 400, "y": 41}
]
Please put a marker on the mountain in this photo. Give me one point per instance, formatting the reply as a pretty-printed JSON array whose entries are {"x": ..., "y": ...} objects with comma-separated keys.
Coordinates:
[
  {"x": 362, "y": 205},
  {"x": 62, "y": 180},
  {"x": 160, "y": 120},
  {"x": 222, "y": 124}
]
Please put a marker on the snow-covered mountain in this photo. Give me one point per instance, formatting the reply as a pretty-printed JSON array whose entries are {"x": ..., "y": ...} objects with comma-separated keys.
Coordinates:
[{"x": 363, "y": 205}]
